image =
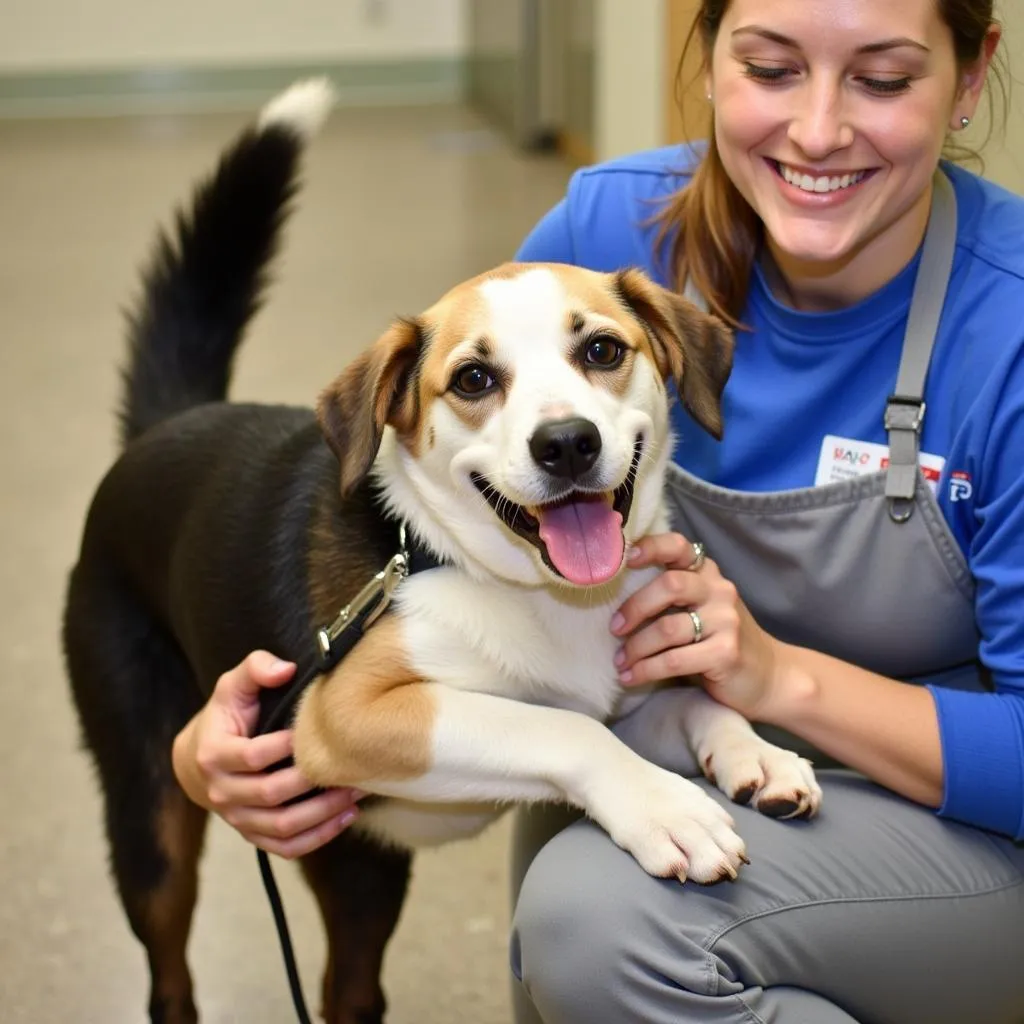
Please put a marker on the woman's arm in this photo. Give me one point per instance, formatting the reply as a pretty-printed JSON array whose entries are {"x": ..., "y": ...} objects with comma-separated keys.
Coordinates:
[
  {"x": 886, "y": 729},
  {"x": 550, "y": 240}
]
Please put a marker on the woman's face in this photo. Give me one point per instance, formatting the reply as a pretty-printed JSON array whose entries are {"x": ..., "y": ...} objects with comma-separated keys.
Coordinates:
[{"x": 830, "y": 117}]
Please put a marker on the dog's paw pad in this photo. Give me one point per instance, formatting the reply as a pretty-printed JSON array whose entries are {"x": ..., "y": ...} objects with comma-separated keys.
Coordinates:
[
  {"x": 777, "y": 807},
  {"x": 745, "y": 794}
]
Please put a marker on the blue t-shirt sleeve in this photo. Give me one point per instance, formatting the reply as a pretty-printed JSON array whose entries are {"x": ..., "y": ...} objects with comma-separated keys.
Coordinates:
[
  {"x": 983, "y": 733},
  {"x": 550, "y": 241},
  {"x": 983, "y": 751}
]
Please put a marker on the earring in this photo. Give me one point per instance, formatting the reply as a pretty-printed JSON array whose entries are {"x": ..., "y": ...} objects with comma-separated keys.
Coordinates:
[{"x": 964, "y": 122}]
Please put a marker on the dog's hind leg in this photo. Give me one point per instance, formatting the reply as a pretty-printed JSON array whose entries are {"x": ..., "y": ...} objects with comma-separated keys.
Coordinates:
[
  {"x": 133, "y": 691},
  {"x": 360, "y": 888},
  {"x": 160, "y": 906}
]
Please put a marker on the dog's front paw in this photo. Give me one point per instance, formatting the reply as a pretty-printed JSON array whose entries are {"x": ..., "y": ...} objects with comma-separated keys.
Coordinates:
[
  {"x": 672, "y": 827},
  {"x": 776, "y": 782}
]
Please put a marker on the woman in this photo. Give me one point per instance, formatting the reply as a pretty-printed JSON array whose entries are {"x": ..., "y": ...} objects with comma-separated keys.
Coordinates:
[
  {"x": 872, "y": 616},
  {"x": 803, "y": 222}
]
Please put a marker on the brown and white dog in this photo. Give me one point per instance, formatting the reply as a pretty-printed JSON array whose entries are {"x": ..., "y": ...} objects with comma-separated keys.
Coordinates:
[{"x": 519, "y": 428}]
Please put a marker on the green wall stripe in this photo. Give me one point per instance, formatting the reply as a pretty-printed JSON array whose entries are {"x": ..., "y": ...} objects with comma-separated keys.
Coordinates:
[{"x": 392, "y": 81}]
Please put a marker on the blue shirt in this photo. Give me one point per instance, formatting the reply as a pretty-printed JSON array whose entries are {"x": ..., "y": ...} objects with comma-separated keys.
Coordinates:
[{"x": 798, "y": 377}]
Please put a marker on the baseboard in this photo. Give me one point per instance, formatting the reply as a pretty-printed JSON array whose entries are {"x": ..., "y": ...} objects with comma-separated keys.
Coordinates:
[{"x": 192, "y": 89}]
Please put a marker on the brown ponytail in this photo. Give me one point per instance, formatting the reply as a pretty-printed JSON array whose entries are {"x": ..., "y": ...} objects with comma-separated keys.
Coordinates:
[{"x": 715, "y": 235}]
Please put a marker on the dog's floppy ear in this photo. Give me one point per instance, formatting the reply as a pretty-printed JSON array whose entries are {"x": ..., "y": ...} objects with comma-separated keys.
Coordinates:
[
  {"x": 690, "y": 346},
  {"x": 376, "y": 390}
]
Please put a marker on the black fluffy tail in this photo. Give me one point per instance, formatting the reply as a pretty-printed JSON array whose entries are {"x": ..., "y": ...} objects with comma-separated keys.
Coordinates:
[{"x": 205, "y": 282}]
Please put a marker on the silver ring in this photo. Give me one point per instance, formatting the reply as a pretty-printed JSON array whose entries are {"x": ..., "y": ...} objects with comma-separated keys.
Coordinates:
[
  {"x": 700, "y": 556},
  {"x": 698, "y": 627}
]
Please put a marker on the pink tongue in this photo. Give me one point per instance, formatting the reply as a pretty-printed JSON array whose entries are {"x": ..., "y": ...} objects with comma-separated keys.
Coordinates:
[{"x": 584, "y": 541}]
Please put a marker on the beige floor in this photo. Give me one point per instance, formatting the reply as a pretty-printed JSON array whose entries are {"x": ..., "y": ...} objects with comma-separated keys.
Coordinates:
[{"x": 399, "y": 206}]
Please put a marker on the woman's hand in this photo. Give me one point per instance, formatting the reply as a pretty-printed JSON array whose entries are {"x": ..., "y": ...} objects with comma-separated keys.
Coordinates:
[
  {"x": 222, "y": 769},
  {"x": 738, "y": 662},
  {"x": 887, "y": 729}
]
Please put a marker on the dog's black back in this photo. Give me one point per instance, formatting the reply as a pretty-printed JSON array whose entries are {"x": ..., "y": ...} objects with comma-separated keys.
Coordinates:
[
  {"x": 220, "y": 529},
  {"x": 208, "y": 519}
]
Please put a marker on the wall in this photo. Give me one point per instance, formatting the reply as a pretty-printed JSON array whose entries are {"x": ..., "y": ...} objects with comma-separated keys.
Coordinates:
[
  {"x": 686, "y": 109},
  {"x": 630, "y": 76},
  {"x": 495, "y": 71},
  {"x": 63, "y": 35},
  {"x": 580, "y": 78},
  {"x": 1004, "y": 153}
]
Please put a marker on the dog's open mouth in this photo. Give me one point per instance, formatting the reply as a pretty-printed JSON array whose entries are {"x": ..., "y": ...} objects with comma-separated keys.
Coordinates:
[{"x": 579, "y": 536}]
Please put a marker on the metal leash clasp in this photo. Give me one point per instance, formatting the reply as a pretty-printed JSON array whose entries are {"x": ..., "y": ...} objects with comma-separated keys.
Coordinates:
[{"x": 376, "y": 596}]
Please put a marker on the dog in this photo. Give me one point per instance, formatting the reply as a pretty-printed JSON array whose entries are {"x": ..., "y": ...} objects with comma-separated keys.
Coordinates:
[{"x": 518, "y": 429}]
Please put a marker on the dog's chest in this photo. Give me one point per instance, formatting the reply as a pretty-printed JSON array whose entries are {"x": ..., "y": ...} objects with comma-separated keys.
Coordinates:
[{"x": 522, "y": 644}]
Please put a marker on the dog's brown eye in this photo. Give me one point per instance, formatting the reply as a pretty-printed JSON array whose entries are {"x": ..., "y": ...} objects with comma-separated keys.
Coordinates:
[
  {"x": 473, "y": 381},
  {"x": 605, "y": 352}
]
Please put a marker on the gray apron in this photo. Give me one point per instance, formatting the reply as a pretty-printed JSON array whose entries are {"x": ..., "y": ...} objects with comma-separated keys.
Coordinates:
[{"x": 866, "y": 570}]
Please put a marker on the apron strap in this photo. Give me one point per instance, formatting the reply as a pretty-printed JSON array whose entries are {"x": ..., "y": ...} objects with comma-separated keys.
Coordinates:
[{"x": 905, "y": 408}]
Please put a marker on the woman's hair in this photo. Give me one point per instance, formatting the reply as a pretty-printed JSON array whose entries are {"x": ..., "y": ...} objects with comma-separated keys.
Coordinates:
[{"x": 713, "y": 232}]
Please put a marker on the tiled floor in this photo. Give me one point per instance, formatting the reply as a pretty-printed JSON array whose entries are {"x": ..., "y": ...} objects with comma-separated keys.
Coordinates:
[{"x": 400, "y": 204}]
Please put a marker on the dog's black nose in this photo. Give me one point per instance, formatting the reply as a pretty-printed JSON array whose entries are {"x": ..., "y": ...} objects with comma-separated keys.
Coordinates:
[{"x": 566, "y": 448}]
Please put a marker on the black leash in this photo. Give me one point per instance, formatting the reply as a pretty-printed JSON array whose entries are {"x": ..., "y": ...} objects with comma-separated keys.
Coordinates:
[
  {"x": 333, "y": 642},
  {"x": 290, "y": 966}
]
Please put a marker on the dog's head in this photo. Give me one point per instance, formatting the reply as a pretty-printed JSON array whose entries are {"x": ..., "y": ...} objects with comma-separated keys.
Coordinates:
[{"x": 524, "y": 418}]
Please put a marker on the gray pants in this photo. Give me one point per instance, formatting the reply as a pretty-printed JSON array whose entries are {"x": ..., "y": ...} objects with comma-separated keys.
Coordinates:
[{"x": 877, "y": 912}]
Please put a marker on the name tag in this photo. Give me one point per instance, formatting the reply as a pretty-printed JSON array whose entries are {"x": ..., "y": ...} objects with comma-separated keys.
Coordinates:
[{"x": 842, "y": 458}]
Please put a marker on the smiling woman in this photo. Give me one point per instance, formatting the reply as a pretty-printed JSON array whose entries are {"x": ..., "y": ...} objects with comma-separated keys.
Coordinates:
[{"x": 849, "y": 567}]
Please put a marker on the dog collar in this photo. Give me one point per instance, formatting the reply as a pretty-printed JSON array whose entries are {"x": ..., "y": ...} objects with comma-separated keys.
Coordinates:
[
  {"x": 333, "y": 641},
  {"x": 366, "y": 607}
]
